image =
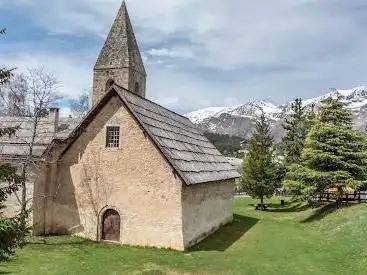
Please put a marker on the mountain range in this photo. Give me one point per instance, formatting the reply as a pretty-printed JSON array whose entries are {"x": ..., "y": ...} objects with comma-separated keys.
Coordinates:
[{"x": 239, "y": 120}]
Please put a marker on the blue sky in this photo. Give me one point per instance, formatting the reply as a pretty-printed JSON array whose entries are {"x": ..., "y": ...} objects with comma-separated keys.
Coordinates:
[{"x": 199, "y": 53}]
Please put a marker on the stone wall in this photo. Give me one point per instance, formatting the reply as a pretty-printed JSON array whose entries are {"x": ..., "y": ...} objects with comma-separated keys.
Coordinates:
[
  {"x": 205, "y": 208},
  {"x": 12, "y": 204},
  {"x": 135, "y": 180},
  {"x": 137, "y": 77},
  {"x": 124, "y": 77},
  {"x": 120, "y": 76}
]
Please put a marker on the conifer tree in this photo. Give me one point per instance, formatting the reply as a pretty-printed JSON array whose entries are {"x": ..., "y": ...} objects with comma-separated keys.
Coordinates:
[
  {"x": 6, "y": 173},
  {"x": 260, "y": 170},
  {"x": 12, "y": 231},
  {"x": 297, "y": 127},
  {"x": 334, "y": 155},
  {"x": 4, "y": 73}
]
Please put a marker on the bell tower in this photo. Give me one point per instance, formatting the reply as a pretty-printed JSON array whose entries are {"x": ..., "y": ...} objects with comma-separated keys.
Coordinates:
[{"x": 120, "y": 60}]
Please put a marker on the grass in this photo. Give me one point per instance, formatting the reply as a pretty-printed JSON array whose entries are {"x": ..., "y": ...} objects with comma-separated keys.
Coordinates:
[{"x": 292, "y": 240}]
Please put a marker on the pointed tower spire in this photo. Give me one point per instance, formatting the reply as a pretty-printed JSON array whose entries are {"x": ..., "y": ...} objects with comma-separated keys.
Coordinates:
[{"x": 120, "y": 60}]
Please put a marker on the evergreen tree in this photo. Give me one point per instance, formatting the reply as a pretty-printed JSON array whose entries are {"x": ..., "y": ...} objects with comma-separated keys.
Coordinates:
[
  {"x": 4, "y": 73},
  {"x": 228, "y": 145},
  {"x": 297, "y": 127},
  {"x": 334, "y": 155},
  {"x": 260, "y": 170},
  {"x": 6, "y": 173},
  {"x": 12, "y": 231}
]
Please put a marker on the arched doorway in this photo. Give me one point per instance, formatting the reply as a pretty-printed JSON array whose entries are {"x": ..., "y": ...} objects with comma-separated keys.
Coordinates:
[{"x": 111, "y": 223}]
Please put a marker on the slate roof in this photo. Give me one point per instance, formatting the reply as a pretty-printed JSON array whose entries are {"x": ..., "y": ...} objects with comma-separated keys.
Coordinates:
[
  {"x": 18, "y": 145},
  {"x": 192, "y": 155},
  {"x": 121, "y": 49},
  {"x": 236, "y": 162}
]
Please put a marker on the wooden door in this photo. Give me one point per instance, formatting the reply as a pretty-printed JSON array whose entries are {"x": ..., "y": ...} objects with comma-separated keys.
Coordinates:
[{"x": 111, "y": 226}]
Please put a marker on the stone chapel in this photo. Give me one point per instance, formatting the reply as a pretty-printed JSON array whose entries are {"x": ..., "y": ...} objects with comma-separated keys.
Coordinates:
[{"x": 132, "y": 171}]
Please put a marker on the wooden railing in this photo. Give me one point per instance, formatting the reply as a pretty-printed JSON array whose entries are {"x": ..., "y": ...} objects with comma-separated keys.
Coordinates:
[{"x": 358, "y": 196}]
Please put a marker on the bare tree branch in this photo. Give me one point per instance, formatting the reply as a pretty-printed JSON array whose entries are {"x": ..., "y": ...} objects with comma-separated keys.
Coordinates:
[
  {"x": 28, "y": 97},
  {"x": 82, "y": 105}
]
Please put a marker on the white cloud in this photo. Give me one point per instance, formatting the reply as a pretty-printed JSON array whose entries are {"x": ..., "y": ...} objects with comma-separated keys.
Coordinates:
[
  {"x": 219, "y": 51},
  {"x": 65, "y": 112},
  {"x": 235, "y": 33},
  {"x": 184, "y": 91},
  {"x": 74, "y": 76},
  {"x": 172, "y": 53}
]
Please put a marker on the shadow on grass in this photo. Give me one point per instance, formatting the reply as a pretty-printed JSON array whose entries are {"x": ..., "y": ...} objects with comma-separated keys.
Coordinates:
[
  {"x": 298, "y": 207},
  {"x": 53, "y": 240},
  {"x": 227, "y": 235},
  {"x": 9, "y": 264},
  {"x": 288, "y": 207},
  {"x": 325, "y": 210}
]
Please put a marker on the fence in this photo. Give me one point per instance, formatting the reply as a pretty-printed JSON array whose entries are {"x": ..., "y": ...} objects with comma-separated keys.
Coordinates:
[{"x": 358, "y": 196}]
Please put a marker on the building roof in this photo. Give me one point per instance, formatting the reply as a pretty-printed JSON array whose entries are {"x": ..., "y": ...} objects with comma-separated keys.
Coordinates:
[
  {"x": 18, "y": 144},
  {"x": 191, "y": 154},
  {"x": 236, "y": 162},
  {"x": 121, "y": 49}
]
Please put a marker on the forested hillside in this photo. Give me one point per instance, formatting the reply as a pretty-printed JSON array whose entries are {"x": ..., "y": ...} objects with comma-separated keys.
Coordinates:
[{"x": 226, "y": 144}]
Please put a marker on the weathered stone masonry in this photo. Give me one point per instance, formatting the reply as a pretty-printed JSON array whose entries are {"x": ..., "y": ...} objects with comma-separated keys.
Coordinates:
[{"x": 120, "y": 60}]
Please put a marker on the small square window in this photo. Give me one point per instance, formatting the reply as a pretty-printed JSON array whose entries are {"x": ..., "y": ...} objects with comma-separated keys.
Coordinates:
[{"x": 113, "y": 137}]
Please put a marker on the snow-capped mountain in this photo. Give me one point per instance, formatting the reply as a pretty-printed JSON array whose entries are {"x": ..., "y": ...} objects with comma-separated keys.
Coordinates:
[
  {"x": 202, "y": 114},
  {"x": 249, "y": 110},
  {"x": 239, "y": 120},
  {"x": 355, "y": 98}
]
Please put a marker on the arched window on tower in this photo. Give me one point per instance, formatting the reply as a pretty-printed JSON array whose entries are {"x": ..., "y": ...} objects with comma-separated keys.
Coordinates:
[
  {"x": 137, "y": 88},
  {"x": 109, "y": 83}
]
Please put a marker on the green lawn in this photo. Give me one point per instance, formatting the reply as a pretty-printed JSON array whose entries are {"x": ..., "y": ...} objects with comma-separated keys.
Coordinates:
[{"x": 294, "y": 240}]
